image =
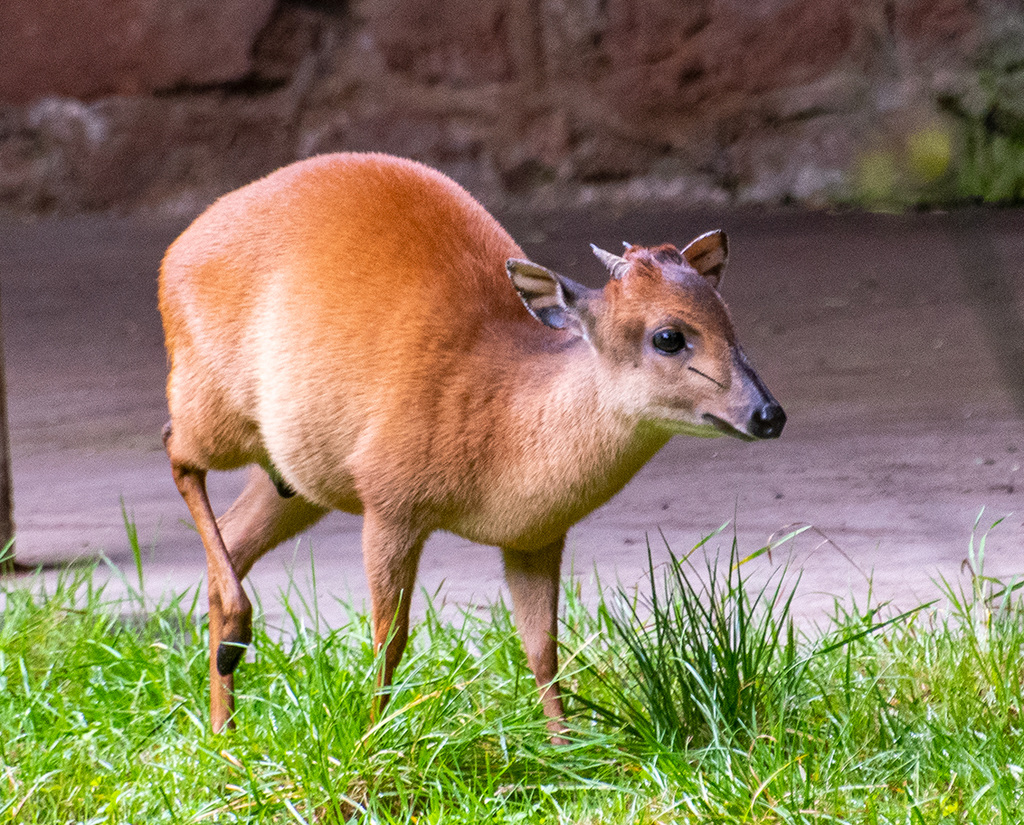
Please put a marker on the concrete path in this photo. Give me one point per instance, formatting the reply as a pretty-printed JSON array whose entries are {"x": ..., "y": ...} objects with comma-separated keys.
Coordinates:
[{"x": 896, "y": 345}]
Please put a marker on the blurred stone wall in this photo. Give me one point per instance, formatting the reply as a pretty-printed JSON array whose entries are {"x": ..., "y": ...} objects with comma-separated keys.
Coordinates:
[{"x": 164, "y": 104}]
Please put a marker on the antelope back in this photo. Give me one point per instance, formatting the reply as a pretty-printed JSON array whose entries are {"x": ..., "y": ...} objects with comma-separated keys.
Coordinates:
[{"x": 302, "y": 307}]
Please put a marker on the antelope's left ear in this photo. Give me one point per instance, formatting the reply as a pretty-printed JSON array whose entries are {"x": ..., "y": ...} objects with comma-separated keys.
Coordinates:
[
  {"x": 553, "y": 299},
  {"x": 708, "y": 255}
]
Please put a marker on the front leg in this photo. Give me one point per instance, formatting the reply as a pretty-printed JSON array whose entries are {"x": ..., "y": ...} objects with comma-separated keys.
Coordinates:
[
  {"x": 391, "y": 555},
  {"x": 533, "y": 580}
]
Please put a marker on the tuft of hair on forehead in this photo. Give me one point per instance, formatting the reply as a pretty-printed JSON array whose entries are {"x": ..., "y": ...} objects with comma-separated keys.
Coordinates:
[
  {"x": 657, "y": 261},
  {"x": 667, "y": 254}
]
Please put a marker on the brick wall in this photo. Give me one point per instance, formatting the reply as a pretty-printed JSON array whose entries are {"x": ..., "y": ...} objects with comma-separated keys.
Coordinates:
[{"x": 167, "y": 103}]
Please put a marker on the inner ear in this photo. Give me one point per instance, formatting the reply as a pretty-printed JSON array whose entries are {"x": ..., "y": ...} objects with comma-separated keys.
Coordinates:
[
  {"x": 553, "y": 299},
  {"x": 708, "y": 254}
]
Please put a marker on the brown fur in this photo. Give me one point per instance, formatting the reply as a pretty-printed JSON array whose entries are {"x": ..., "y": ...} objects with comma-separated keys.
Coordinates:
[{"x": 347, "y": 323}]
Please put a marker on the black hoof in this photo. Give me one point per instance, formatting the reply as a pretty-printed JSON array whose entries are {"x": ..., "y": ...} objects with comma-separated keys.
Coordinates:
[
  {"x": 283, "y": 488},
  {"x": 229, "y": 654}
]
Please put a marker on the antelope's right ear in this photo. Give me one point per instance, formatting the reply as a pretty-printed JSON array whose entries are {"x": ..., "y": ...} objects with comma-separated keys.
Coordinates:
[
  {"x": 553, "y": 299},
  {"x": 708, "y": 255}
]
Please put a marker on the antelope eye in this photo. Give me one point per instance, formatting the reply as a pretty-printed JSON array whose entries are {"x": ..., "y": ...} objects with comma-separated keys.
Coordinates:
[{"x": 669, "y": 341}]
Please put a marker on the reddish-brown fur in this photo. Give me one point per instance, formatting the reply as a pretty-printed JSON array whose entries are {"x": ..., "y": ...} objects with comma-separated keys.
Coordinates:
[{"x": 348, "y": 325}]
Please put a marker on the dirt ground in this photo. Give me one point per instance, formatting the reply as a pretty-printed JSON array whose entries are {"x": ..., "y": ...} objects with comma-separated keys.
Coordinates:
[{"x": 896, "y": 345}]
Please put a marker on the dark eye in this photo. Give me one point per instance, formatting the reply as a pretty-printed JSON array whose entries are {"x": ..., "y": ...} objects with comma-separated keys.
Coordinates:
[{"x": 669, "y": 341}]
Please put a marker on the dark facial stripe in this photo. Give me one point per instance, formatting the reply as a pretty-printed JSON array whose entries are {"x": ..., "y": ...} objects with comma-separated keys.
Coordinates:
[{"x": 705, "y": 375}]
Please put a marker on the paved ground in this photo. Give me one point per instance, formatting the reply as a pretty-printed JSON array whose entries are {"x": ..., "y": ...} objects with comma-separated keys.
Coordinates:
[{"x": 895, "y": 344}]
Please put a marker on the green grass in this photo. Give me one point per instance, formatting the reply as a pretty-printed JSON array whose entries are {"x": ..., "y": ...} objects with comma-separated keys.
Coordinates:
[{"x": 695, "y": 698}]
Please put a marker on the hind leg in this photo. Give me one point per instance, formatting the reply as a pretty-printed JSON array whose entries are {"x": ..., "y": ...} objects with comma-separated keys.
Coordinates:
[
  {"x": 260, "y": 519},
  {"x": 257, "y": 521},
  {"x": 230, "y": 609}
]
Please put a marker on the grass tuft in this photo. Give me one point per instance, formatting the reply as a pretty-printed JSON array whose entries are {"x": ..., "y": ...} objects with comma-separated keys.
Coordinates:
[{"x": 704, "y": 660}]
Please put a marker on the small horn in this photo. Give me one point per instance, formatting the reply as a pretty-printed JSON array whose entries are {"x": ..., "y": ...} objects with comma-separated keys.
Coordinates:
[
  {"x": 628, "y": 245},
  {"x": 616, "y": 266}
]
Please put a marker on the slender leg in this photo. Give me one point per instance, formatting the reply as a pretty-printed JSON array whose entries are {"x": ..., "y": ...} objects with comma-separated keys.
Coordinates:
[
  {"x": 260, "y": 519},
  {"x": 230, "y": 610},
  {"x": 391, "y": 555},
  {"x": 533, "y": 581}
]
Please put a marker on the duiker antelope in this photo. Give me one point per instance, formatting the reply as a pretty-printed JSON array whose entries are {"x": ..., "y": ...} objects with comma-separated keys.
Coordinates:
[{"x": 362, "y": 331}]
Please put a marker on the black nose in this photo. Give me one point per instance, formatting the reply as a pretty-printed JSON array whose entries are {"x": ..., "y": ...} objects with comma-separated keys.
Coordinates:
[{"x": 767, "y": 421}]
